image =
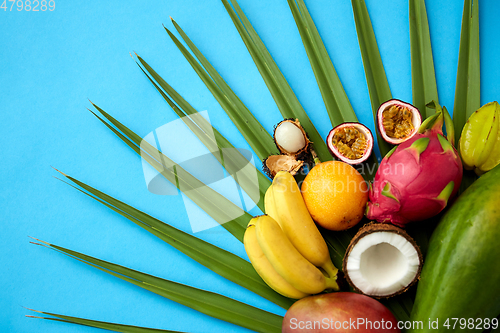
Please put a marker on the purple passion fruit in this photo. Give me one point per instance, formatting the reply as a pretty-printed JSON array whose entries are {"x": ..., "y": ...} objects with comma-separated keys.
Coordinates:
[{"x": 398, "y": 121}]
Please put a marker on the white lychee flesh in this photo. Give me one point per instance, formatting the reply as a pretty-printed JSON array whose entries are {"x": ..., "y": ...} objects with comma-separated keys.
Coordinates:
[
  {"x": 382, "y": 263},
  {"x": 289, "y": 137}
]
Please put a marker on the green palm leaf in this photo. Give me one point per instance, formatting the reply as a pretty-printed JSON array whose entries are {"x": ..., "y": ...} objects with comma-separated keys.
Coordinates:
[
  {"x": 224, "y": 263},
  {"x": 254, "y": 133},
  {"x": 283, "y": 95},
  {"x": 378, "y": 86},
  {"x": 98, "y": 324},
  {"x": 336, "y": 101},
  {"x": 209, "y": 303},
  {"x": 467, "y": 89},
  {"x": 379, "y": 91},
  {"x": 221, "y": 148},
  {"x": 424, "y": 86}
]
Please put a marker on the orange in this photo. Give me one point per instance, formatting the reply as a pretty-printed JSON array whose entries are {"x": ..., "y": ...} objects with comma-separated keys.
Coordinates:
[{"x": 335, "y": 195}]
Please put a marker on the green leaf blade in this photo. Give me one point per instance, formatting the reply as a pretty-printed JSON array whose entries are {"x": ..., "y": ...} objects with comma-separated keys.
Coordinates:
[
  {"x": 213, "y": 203},
  {"x": 206, "y": 133},
  {"x": 467, "y": 89},
  {"x": 283, "y": 95},
  {"x": 336, "y": 101},
  {"x": 99, "y": 324},
  {"x": 209, "y": 303},
  {"x": 222, "y": 262},
  {"x": 376, "y": 79},
  {"x": 424, "y": 88}
]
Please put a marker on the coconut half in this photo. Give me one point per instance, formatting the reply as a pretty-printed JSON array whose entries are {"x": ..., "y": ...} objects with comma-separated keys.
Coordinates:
[{"x": 382, "y": 260}]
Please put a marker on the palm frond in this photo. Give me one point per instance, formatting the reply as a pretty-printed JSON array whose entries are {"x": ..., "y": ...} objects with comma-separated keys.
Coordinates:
[
  {"x": 98, "y": 324},
  {"x": 224, "y": 263},
  {"x": 229, "y": 156},
  {"x": 467, "y": 89},
  {"x": 209, "y": 303},
  {"x": 283, "y": 95},
  {"x": 213, "y": 203},
  {"x": 424, "y": 88}
]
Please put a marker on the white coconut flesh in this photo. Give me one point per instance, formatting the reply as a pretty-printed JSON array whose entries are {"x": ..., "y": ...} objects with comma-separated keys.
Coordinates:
[
  {"x": 289, "y": 137},
  {"x": 382, "y": 263}
]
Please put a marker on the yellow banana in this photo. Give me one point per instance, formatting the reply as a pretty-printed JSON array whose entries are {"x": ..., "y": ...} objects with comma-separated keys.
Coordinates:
[
  {"x": 297, "y": 224},
  {"x": 287, "y": 261},
  {"x": 264, "y": 267}
]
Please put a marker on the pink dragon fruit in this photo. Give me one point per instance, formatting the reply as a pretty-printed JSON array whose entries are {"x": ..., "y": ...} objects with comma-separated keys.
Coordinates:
[{"x": 416, "y": 179}]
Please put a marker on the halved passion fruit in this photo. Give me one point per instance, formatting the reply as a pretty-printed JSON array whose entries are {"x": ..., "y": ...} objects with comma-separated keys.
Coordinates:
[
  {"x": 398, "y": 121},
  {"x": 350, "y": 142}
]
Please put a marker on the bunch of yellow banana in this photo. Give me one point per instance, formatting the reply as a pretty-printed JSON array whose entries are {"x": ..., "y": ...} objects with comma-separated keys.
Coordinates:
[
  {"x": 480, "y": 139},
  {"x": 285, "y": 246}
]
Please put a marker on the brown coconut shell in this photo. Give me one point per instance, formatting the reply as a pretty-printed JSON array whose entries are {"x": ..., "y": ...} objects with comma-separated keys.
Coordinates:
[
  {"x": 373, "y": 227},
  {"x": 275, "y": 163}
]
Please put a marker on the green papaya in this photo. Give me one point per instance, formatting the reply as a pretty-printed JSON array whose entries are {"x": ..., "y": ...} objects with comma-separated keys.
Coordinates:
[{"x": 461, "y": 274}]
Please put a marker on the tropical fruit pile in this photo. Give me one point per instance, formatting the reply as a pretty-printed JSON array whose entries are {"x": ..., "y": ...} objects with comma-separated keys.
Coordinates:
[{"x": 414, "y": 182}]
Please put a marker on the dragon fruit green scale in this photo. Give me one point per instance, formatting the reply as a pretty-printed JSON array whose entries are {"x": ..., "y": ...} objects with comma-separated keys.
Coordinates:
[{"x": 416, "y": 180}]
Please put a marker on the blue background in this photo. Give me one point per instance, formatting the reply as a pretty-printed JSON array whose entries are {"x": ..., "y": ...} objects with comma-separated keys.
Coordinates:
[{"x": 52, "y": 62}]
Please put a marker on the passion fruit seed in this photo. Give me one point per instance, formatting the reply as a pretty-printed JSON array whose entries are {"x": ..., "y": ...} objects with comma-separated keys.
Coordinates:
[
  {"x": 397, "y": 121},
  {"x": 350, "y": 142}
]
